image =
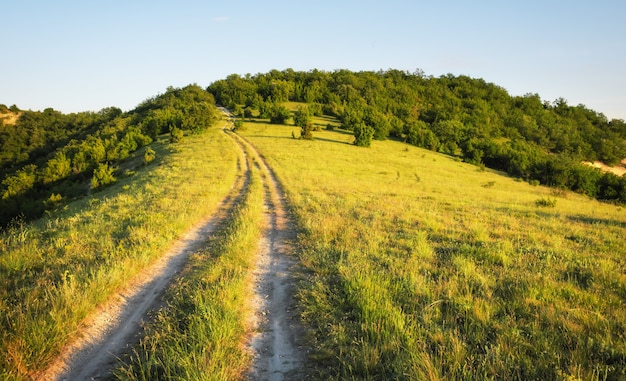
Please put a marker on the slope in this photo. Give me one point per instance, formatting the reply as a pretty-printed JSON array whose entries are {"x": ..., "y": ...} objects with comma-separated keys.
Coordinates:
[{"x": 424, "y": 267}]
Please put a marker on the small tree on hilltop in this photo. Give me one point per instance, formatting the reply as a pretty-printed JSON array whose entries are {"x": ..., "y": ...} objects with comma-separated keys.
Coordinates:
[
  {"x": 363, "y": 134},
  {"x": 302, "y": 118}
]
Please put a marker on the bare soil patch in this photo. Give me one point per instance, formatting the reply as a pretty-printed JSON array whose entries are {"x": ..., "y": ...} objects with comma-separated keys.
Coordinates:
[{"x": 618, "y": 170}]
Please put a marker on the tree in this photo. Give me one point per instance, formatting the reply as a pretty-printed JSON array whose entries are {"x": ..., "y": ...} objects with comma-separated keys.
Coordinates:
[
  {"x": 278, "y": 114},
  {"x": 57, "y": 168},
  {"x": 176, "y": 135},
  {"x": 22, "y": 181},
  {"x": 302, "y": 119},
  {"x": 102, "y": 176},
  {"x": 363, "y": 135}
]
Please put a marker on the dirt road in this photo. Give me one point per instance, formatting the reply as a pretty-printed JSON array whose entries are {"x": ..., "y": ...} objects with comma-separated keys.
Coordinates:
[
  {"x": 277, "y": 353},
  {"x": 117, "y": 325}
]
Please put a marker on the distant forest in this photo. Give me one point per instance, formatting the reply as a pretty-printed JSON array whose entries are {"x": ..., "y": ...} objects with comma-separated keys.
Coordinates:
[
  {"x": 534, "y": 140},
  {"x": 47, "y": 157}
]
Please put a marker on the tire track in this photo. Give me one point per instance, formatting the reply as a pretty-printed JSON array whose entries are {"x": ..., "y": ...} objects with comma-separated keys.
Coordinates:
[
  {"x": 117, "y": 325},
  {"x": 274, "y": 344}
]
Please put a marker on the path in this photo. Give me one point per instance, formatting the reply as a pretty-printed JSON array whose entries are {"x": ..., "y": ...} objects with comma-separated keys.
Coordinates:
[
  {"x": 274, "y": 343},
  {"x": 117, "y": 324},
  {"x": 277, "y": 354}
]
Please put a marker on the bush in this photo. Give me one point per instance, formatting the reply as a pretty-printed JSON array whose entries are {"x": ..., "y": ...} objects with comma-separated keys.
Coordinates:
[
  {"x": 363, "y": 135},
  {"x": 102, "y": 176},
  {"x": 149, "y": 155},
  {"x": 176, "y": 135},
  {"x": 545, "y": 202}
]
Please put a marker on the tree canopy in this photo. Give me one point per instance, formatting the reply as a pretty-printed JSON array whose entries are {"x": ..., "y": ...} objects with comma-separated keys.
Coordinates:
[
  {"x": 467, "y": 117},
  {"x": 48, "y": 153}
]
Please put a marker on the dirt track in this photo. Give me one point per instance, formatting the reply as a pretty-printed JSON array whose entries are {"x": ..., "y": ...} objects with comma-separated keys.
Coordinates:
[
  {"x": 278, "y": 355},
  {"x": 117, "y": 325}
]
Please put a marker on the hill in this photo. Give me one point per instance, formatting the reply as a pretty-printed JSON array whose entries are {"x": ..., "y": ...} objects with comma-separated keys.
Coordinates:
[
  {"x": 466, "y": 117},
  {"x": 424, "y": 267},
  {"x": 47, "y": 157},
  {"x": 417, "y": 265}
]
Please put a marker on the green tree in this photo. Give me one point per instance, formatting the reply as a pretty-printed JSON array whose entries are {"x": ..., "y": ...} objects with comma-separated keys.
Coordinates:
[
  {"x": 302, "y": 119},
  {"x": 279, "y": 114},
  {"x": 102, "y": 176},
  {"x": 57, "y": 168},
  {"x": 22, "y": 181},
  {"x": 363, "y": 134},
  {"x": 176, "y": 135}
]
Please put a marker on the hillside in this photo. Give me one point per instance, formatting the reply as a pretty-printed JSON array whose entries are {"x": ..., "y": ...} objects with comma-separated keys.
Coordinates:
[
  {"x": 442, "y": 229},
  {"x": 424, "y": 267},
  {"x": 47, "y": 157},
  {"x": 466, "y": 117}
]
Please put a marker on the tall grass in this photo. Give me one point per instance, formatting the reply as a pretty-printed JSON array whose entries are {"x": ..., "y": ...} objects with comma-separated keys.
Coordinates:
[
  {"x": 56, "y": 271},
  {"x": 200, "y": 334},
  {"x": 419, "y": 271}
]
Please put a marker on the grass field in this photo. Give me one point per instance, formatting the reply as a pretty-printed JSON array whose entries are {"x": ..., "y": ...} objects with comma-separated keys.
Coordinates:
[
  {"x": 418, "y": 266},
  {"x": 201, "y": 333},
  {"x": 54, "y": 272},
  {"x": 423, "y": 267}
]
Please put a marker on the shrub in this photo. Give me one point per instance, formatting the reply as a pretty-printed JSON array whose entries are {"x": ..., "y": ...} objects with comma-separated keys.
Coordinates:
[
  {"x": 545, "y": 202},
  {"x": 149, "y": 155},
  {"x": 102, "y": 176},
  {"x": 176, "y": 135}
]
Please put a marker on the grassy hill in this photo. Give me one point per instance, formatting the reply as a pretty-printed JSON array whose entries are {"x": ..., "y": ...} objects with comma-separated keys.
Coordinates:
[
  {"x": 55, "y": 271},
  {"x": 424, "y": 267},
  {"x": 419, "y": 265}
]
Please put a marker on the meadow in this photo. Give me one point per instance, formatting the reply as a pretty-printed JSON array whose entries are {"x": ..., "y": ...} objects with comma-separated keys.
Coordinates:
[
  {"x": 55, "y": 271},
  {"x": 421, "y": 266},
  {"x": 417, "y": 265},
  {"x": 200, "y": 334}
]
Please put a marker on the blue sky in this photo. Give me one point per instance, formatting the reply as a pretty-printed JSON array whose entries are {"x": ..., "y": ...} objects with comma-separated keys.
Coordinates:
[{"x": 87, "y": 55}]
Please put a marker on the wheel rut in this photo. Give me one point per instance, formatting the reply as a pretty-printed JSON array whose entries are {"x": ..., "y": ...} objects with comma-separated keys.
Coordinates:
[
  {"x": 278, "y": 355},
  {"x": 275, "y": 330},
  {"x": 117, "y": 325}
]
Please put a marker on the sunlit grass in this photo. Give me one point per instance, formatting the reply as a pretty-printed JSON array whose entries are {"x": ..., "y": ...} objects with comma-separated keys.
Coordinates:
[
  {"x": 424, "y": 267},
  {"x": 54, "y": 272},
  {"x": 200, "y": 335}
]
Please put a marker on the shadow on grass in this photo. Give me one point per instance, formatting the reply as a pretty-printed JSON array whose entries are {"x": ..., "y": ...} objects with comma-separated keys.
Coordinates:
[{"x": 597, "y": 221}]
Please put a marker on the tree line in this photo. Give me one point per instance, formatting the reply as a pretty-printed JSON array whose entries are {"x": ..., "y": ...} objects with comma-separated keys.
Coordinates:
[
  {"x": 47, "y": 156},
  {"x": 529, "y": 138}
]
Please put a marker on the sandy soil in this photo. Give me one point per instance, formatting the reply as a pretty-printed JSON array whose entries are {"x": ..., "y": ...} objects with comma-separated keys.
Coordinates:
[{"x": 618, "y": 170}]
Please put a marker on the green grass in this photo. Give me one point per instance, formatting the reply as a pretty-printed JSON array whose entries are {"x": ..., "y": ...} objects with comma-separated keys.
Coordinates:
[
  {"x": 201, "y": 333},
  {"x": 56, "y": 271},
  {"x": 420, "y": 271}
]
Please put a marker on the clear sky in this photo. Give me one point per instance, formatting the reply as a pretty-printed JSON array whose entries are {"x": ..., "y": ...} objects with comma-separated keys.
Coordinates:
[{"x": 90, "y": 54}]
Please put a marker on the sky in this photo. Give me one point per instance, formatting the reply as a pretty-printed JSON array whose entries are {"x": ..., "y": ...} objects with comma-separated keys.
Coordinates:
[{"x": 87, "y": 55}]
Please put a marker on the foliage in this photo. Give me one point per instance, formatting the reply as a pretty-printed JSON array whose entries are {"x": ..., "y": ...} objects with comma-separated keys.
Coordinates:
[
  {"x": 457, "y": 115},
  {"x": 49, "y": 152},
  {"x": 102, "y": 176},
  {"x": 149, "y": 155},
  {"x": 176, "y": 135},
  {"x": 362, "y": 134},
  {"x": 278, "y": 113},
  {"x": 302, "y": 119}
]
